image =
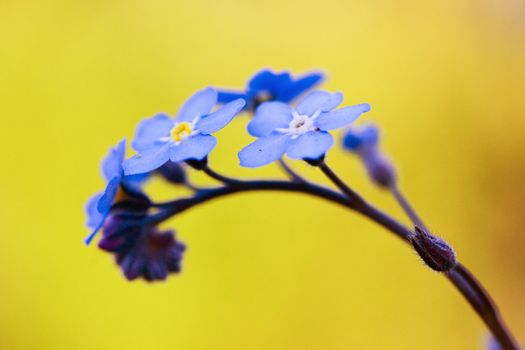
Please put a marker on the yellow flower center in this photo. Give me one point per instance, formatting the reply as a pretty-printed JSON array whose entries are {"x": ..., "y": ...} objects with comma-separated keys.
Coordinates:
[{"x": 181, "y": 131}]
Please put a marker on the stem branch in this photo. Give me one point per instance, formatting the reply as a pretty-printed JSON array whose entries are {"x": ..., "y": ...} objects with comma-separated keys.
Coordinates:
[{"x": 460, "y": 277}]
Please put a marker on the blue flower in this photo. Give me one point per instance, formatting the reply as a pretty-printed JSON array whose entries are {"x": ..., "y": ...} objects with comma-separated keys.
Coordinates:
[
  {"x": 99, "y": 205},
  {"x": 301, "y": 133},
  {"x": 269, "y": 86},
  {"x": 95, "y": 219},
  {"x": 187, "y": 137},
  {"x": 364, "y": 141}
]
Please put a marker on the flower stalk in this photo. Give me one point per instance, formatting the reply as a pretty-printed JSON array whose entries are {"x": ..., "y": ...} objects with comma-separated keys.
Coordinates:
[
  {"x": 129, "y": 220},
  {"x": 459, "y": 275}
]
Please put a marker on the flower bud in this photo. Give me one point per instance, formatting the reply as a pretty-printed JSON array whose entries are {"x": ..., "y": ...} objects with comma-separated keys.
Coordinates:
[
  {"x": 358, "y": 136},
  {"x": 173, "y": 172},
  {"x": 434, "y": 251},
  {"x": 197, "y": 164},
  {"x": 153, "y": 256},
  {"x": 141, "y": 250},
  {"x": 120, "y": 229},
  {"x": 379, "y": 168},
  {"x": 364, "y": 142}
]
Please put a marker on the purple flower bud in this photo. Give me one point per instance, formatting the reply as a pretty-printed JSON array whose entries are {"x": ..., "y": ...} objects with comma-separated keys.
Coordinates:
[
  {"x": 364, "y": 141},
  {"x": 434, "y": 251},
  {"x": 173, "y": 172},
  {"x": 197, "y": 164},
  {"x": 141, "y": 250},
  {"x": 120, "y": 230},
  {"x": 153, "y": 255},
  {"x": 379, "y": 167}
]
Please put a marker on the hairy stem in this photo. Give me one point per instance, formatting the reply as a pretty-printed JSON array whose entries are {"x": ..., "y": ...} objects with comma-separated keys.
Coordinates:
[
  {"x": 459, "y": 275},
  {"x": 483, "y": 304},
  {"x": 461, "y": 278}
]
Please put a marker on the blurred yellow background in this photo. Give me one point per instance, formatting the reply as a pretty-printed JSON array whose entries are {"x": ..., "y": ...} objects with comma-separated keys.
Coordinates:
[{"x": 446, "y": 80}]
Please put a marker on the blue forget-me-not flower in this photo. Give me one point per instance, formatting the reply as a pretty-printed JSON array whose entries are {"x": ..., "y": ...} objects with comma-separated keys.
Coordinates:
[
  {"x": 187, "y": 137},
  {"x": 266, "y": 86},
  {"x": 99, "y": 205},
  {"x": 301, "y": 132}
]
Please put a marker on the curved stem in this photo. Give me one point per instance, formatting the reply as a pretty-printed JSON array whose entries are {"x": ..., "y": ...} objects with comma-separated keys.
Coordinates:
[
  {"x": 177, "y": 206},
  {"x": 461, "y": 278},
  {"x": 467, "y": 284},
  {"x": 459, "y": 275},
  {"x": 483, "y": 304}
]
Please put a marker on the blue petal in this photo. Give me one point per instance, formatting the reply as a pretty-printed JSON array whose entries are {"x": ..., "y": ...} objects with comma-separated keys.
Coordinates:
[
  {"x": 311, "y": 145},
  {"x": 112, "y": 164},
  {"x": 355, "y": 137},
  {"x": 280, "y": 81},
  {"x": 106, "y": 201},
  {"x": 370, "y": 134},
  {"x": 262, "y": 80},
  {"x": 299, "y": 86},
  {"x": 341, "y": 117},
  {"x": 150, "y": 130},
  {"x": 93, "y": 233},
  {"x": 199, "y": 104},
  {"x": 195, "y": 147},
  {"x": 93, "y": 215},
  {"x": 352, "y": 140},
  {"x": 99, "y": 206},
  {"x": 321, "y": 101},
  {"x": 147, "y": 161},
  {"x": 268, "y": 117},
  {"x": 264, "y": 150},
  {"x": 219, "y": 119},
  {"x": 136, "y": 180},
  {"x": 228, "y": 96}
]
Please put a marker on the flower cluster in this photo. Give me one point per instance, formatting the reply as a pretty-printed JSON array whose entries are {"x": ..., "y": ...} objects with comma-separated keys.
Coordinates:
[
  {"x": 285, "y": 124},
  {"x": 164, "y": 144}
]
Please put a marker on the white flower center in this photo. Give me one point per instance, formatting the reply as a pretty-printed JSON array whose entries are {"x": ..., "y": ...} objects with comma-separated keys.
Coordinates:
[
  {"x": 181, "y": 131},
  {"x": 300, "y": 124}
]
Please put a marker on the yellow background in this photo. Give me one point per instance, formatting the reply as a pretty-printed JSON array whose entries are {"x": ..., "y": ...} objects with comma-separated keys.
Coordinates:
[{"x": 446, "y": 80}]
